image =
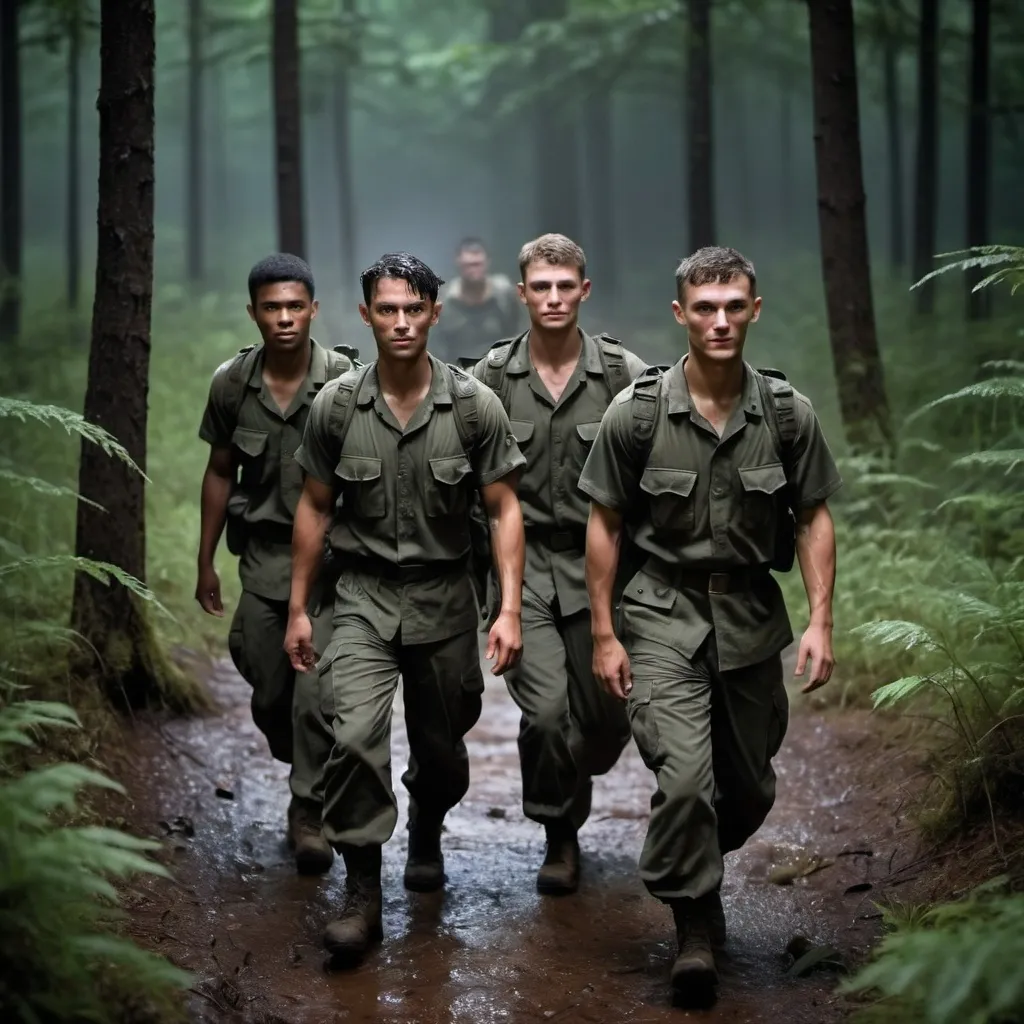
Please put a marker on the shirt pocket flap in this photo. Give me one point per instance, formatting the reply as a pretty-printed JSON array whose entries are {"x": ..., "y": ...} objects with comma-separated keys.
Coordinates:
[
  {"x": 588, "y": 431},
  {"x": 355, "y": 469},
  {"x": 668, "y": 481},
  {"x": 766, "y": 479},
  {"x": 248, "y": 441},
  {"x": 656, "y": 595},
  {"x": 522, "y": 430},
  {"x": 450, "y": 470}
]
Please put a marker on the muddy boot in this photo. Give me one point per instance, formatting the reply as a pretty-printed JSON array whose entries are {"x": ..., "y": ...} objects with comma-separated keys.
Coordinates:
[
  {"x": 313, "y": 854},
  {"x": 559, "y": 875},
  {"x": 693, "y": 973},
  {"x": 424, "y": 866},
  {"x": 350, "y": 935},
  {"x": 716, "y": 919}
]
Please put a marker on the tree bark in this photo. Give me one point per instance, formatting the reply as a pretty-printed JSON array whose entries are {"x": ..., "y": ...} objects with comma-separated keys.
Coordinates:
[
  {"x": 843, "y": 227},
  {"x": 894, "y": 138},
  {"x": 343, "y": 150},
  {"x": 556, "y": 171},
  {"x": 699, "y": 120},
  {"x": 194, "y": 146},
  {"x": 979, "y": 153},
  {"x": 926, "y": 160},
  {"x": 109, "y": 618},
  {"x": 11, "y": 198},
  {"x": 599, "y": 150},
  {"x": 291, "y": 227},
  {"x": 73, "y": 214}
]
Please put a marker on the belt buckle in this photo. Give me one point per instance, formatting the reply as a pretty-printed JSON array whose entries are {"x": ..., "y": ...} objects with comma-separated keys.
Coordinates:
[
  {"x": 561, "y": 540},
  {"x": 718, "y": 583}
]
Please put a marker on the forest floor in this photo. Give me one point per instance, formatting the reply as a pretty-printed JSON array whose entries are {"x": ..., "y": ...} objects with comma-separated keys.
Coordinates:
[{"x": 488, "y": 948}]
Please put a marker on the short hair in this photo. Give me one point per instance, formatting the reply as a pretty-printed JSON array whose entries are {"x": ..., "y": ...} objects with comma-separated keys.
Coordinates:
[
  {"x": 555, "y": 249},
  {"x": 401, "y": 266},
  {"x": 714, "y": 264},
  {"x": 471, "y": 242},
  {"x": 280, "y": 266}
]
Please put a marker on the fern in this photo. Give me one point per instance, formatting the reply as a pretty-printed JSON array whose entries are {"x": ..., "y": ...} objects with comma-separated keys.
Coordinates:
[
  {"x": 1008, "y": 258},
  {"x": 43, "y": 486},
  {"x": 1008, "y": 459},
  {"x": 907, "y": 635},
  {"x": 993, "y": 388}
]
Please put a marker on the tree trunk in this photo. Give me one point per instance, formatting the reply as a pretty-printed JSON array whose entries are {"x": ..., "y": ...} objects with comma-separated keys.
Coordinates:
[
  {"x": 926, "y": 160},
  {"x": 194, "y": 146},
  {"x": 599, "y": 150},
  {"x": 10, "y": 172},
  {"x": 894, "y": 136},
  {"x": 291, "y": 228},
  {"x": 556, "y": 171},
  {"x": 979, "y": 153},
  {"x": 841, "y": 215},
  {"x": 73, "y": 229},
  {"x": 108, "y": 617},
  {"x": 699, "y": 107},
  {"x": 343, "y": 150}
]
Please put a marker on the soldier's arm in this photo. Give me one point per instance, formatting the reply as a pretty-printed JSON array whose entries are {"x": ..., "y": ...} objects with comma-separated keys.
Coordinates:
[
  {"x": 312, "y": 520},
  {"x": 604, "y": 541},
  {"x": 213, "y": 502}
]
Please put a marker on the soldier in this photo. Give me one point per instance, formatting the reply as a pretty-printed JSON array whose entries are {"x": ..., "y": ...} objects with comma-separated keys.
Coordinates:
[
  {"x": 254, "y": 418},
  {"x": 707, "y": 465},
  {"x": 479, "y": 307},
  {"x": 555, "y": 382},
  {"x": 399, "y": 448}
]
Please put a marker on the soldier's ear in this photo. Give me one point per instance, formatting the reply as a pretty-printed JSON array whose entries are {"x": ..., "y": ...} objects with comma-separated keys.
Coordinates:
[
  {"x": 251, "y": 312},
  {"x": 314, "y": 306},
  {"x": 757, "y": 309},
  {"x": 365, "y": 314},
  {"x": 438, "y": 306}
]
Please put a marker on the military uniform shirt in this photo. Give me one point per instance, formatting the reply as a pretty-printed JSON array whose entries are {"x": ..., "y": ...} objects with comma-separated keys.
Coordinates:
[
  {"x": 402, "y": 496},
  {"x": 263, "y": 441},
  {"x": 555, "y": 437},
  {"x": 465, "y": 329},
  {"x": 704, "y": 502}
]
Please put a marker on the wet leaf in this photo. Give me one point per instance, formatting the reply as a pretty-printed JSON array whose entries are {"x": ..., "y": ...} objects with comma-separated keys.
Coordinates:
[
  {"x": 857, "y": 887},
  {"x": 817, "y": 956},
  {"x": 787, "y": 874}
]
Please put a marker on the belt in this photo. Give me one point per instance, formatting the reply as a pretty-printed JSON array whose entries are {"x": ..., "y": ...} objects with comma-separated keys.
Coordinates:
[
  {"x": 269, "y": 532},
  {"x": 408, "y": 572},
  {"x": 565, "y": 539},
  {"x": 710, "y": 581}
]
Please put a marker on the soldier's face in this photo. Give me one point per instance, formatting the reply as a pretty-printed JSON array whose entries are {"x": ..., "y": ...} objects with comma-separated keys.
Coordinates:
[
  {"x": 283, "y": 312},
  {"x": 552, "y": 294},
  {"x": 399, "y": 318},
  {"x": 473, "y": 265},
  {"x": 716, "y": 317}
]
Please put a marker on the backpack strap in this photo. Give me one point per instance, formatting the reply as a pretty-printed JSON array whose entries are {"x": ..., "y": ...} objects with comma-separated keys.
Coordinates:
[
  {"x": 340, "y": 359},
  {"x": 495, "y": 369},
  {"x": 239, "y": 371},
  {"x": 343, "y": 408},
  {"x": 613, "y": 363},
  {"x": 462, "y": 386},
  {"x": 778, "y": 403},
  {"x": 644, "y": 403}
]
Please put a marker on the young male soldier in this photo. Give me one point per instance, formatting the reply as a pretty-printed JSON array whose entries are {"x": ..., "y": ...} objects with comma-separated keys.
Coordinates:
[
  {"x": 704, "y": 464},
  {"x": 479, "y": 307},
  {"x": 398, "y": 449},
  {"x": 257, "y": 409},
  {"x": 555, "y": 382}
]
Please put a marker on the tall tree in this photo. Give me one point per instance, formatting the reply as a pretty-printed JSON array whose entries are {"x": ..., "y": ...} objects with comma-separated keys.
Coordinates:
[
  {"x": 893, "y": 129},
  {"x": 699, "y": 118},
  {"x": 194, "y": 146},
  {"x": 343, "y": 145},
  {"x": 843, "y": 226},
  {"x": 979, "y": 152},
  {"x": 291, "y": 223},
  {"x": 118, "y": 378},
  {"x": 11, "y": 197},
  {"x": 926, "y": 159},
  {"x": 598, "y": 150},
  {"x": 73, "y": 207}
]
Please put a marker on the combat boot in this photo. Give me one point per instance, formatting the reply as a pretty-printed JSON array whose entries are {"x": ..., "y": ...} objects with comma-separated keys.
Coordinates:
[
  {"x": 350, "y": 935},
  {"x": 716, "y": 918},
  {"x": 424, "y": 865},
  {"x": 694, "y": 976},
  {"x": 559, "y": 875},
  {"x": 313, "y": 854}
]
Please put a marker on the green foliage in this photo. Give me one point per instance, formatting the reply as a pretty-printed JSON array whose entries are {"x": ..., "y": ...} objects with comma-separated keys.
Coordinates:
[
  {"x": 1008, "y": 258},
  {"x": 57, "y": 900},
  {"x": 957, "y": 962}
]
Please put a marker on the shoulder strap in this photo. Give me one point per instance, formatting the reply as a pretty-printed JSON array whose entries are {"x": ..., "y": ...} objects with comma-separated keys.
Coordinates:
[
  {"x": 613, "y": 363},
  {"x": 341, "y": 358},
  {"x": 495, "y": 369},
  {"x": 343, "y": 407},
  {"x": 778, "y": 404},
  {"x": 646, "y": 394},
  {"x": 239, "y": 371},
  {"x": 467, "y": 417}
]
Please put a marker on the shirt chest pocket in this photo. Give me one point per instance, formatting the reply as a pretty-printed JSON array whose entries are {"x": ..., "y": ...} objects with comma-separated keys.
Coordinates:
[
  {"x": 522, "y": 431},
  {"x": 762, "y": 489},
  {"x": 448, "y": 486},
  {"x": 585, "y": 435},
  {"x": 250, "y": 449},
  {"x": 670, "y": 493},
  {"x": 362, "y": 487}
]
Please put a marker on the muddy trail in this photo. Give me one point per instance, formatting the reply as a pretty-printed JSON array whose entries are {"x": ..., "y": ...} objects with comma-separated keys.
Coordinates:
[{"x": 488, "y": 948}]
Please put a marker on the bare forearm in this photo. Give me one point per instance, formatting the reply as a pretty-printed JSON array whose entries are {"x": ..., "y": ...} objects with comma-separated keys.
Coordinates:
[
  {"x": 816, "y": 552},
  {"x": 213, "y": 512},
  {"x": 308, "y": 534},
  {"x": 509, "y": 546},
  {"x": 604, "y": 539}
]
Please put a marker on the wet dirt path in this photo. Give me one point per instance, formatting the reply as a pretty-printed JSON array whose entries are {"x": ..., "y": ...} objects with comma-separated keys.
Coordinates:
[{"x": 488, "y": 948}]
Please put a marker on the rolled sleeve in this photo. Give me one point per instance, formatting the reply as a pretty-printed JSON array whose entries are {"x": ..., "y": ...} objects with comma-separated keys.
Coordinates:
[
  {"x": 814, "y": 475},
  {"x": 611, "y": 475},
  {"x": 318, "y": 454},
  {"x": 496, "y": 454}
]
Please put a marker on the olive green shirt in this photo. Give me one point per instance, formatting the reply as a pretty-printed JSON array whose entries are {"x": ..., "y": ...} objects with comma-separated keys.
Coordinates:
[
  {"x": 402, "y": 497},
  {"x": 465, "y": 329},
  {"x": 707, "y": 502},
  {"x": 263, "y": 440},
  {"x": 555, "y": 437}
]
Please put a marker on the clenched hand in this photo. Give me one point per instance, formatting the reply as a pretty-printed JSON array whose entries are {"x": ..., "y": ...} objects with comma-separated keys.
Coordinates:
[{"x": 505, "y": 642}]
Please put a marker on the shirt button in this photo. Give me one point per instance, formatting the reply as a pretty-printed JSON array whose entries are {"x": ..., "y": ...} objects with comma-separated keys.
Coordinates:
[{"x": 719, "y": 492}]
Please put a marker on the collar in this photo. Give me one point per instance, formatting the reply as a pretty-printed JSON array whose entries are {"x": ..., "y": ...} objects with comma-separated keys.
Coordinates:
[
  {"x": 439, "y": 392},
  {"x": 677, "y": 391},
  {"x": 519, "y": 362}
]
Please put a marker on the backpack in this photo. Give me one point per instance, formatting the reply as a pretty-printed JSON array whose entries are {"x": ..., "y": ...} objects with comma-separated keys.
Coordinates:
[{"x": 777, "y": 401}]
